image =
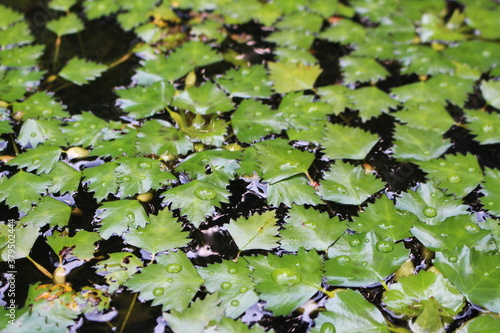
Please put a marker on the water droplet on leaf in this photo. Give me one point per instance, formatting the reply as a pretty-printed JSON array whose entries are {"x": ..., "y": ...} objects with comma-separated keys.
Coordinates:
[
  {"x": 158, "y": 292},
  {"x": 471, "y": 228},
  {"x": 327, "y": 328},
  {"x": 454, "y": 179},
  {"x": 285, "y": 277},
  {"x": 226, "y": 285},
  {"x": 243, "y": 290},
  {"x": 343, "y": 259},
  {"x": 355, "y": 242},
  {"x": 452, "y": 259},
  {"x": 430, "y": 211},
  {"x": 235, "y": 303},
  {"x": 145, "y": 165},
  {"x": 205, "y": 193},
  {"x": 232, "y": 270},
  {"x": 130, "y": 216},
  {"x": 174, "y": 268},
  {"x": 384, "y": 246}
]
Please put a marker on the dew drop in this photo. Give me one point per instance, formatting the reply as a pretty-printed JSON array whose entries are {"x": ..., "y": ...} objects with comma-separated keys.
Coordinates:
[
  {"x": 174, "y": 268},
  {"x": 472, "y": 169},
  {"x": 454, "y": 179},
  {"x": 433, "y": 195},
  {"x": 235, "y": 303},
  {"x": 210, "y": 273},
  {"x": 430, "y": 211},
  {"x": 384, "y": 246},
  {"x": 130, "y": 216},
  {"x": 486, "y": 274},
  {"x": 359, "y": 224},
  {"x": 239, "y": 281},
  {"x": 367, "y": 240},
  {"x": 205, "y": 193},
  {"x": 93, "y": 126},
  {"x": 285, "y": 277},
  {"x": 170, "y": 280},
  {"x": 288, "y": 166},
  {"x": 145, "y": 165},
  {"x": 232, "y": 270},
  {"x": 452, "y": 259},
  {"x": 442, "y": 164},
  {"x": 258, "y": 114},
  {"x": 37, "y": 161},
  {"x": 427, "y": 153},
  {"x": 189, "y": 290},
  {"x": 355, "y": 242},
  {"x": 327, "y": 328},
  {"x": 256, "y": 88},
  {"x": 343, "y": 259},
  {"x": 364, "y": 263},
  {"x": 33, "y": 134},
  {"x": 487, "y": 129},
  {"x": 243, "y": 290},
  {"x": 226, "y": 285},
  {"x": 471, "y": 228},
  {"x": 158, "y": 292},
  {"x": 126, "y": 179}
]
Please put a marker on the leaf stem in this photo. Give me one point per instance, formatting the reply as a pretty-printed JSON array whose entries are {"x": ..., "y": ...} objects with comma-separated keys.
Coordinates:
[
  {"x": 124, "y": 323},
  {"x": 56, "y": 52},
  {"x": 41, "y": 268},
  {"x": 14, "y": 145}
]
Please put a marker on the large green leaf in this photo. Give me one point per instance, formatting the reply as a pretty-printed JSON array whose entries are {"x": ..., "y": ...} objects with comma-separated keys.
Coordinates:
[
  {"x": 291, "y": 39},
  {"x": 310, "y": 229},
  {"x": 141, "y": 102},
  {"x": 370, "y": 101},
  {"x": 484, "y": 323},
  {"x": 423, "y": 60},
  {"x": 43, "y": 159},
  {"x": 15, "y": 193},
  {"x": 475, "y": 274},
  {"x": 278, "y": 160},
  {"x": 118, "y": 216},
  {"x": 172, "y": 282},
  {"x": 8, "y": 16},
  {"x": 39, "y": 105},
  {"x": 257, "y": 232},
  {"x": 491, "y": 92},
  {"x": 21, "y": 56},
  {"x": 196, "y": 199},
  {"x": 246, "y": 82},
  {"x": 25, "y": 237},
  {"x": 348, "y": 311},
  {"x": 15, "y": 82},
  {"x": 63, "y": 179},
  {"x": 384, "y": 219},
  {"x": 66, "y": 25},
  {"x": 348, "y": 184},
  {"x": 428, "y": 116},
  {"x": 205, "y": 99},
  {"x": 292, "y": 77},
  {"x": 347, "y": 142},
  {"x": 363, "y": 259},
  {"x": 80, "y": 245},
  {"x": 344, "y": 32},
  {"x": 418, "y": 144},
  {"x": 80, "y": 71},
  {"x": 479, "y": 54},
  {"x": 286, "y": 282},
  {"x": 161, "y": 234},
  {"x": 232, "y": 281},
  {"x": 49, "y": 211},
  {"x": 302, "y": 111},
  {"x": 102, "y": 180},
  {"x": 430, "y": 204},
  {"x": 160, "y": 137},
  {"x": 484, "y": 126},
  {"x": 295, "y": 189},
  {"x": 362, "y": 70},
  {"x": 35, "y": 131},
  {"x": 491, "y": 191}
]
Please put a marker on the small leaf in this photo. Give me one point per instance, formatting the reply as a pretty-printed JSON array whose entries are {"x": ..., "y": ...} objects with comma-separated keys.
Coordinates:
[
  {"x": 348, "y": 185},
  {"x": 429, "y": 320},
  {"x": 102, "y": 180},
  {"x": 66, "y": 25},
  {"x": 118, "y": 216},
  {"x": 370, "y": 101},
  {"x": 349, "y": 311},
  {"x": 423, "y": 60},
  {"x": 232, "y": 281},
  {"x": 418, "y": 144},
  {"x": 278, "y": 160},
  {"x": 255, "y": 232},
  {"x": 428, "y": 116},
  {"x": 118, "y": 268},
  {"x": 286, "y": 282},
  {"x": 363, "y": 259},
  {"x": 160, "y": 137},
  {"x": 49, "y": 211},
  {"x": 9, "y": 16},
  {"x": 95, "y": 9},
  {"x": 81, "y": 244},
  {"x": 196, "y": 199},
  {"x": 302, "y": 111},
  {"x": 40, "y": 105},
  {"x": 491, "y": 92},
  {"x": 491, "y": 191},
  {"x": 172, "y": 282},
  {"x": 344, "y": 32},
  {"x": 292, "y": 39},
  {"x": 292, "y": 77},
  {"x": 347, "y": 142},
  {"x": 384, "y": 219},
  {"x": 141, "y": 102},
  {"x": 336, "y": 96},
  {"x": 310, "y": 229},
  {"x": 295, "y": 189},
  {"x": 431, "y": 205},
  {"x": 361, "y": 70},
  {"x": 246, "y": 82},
  {"x": 15, "y": 82},
  {"x": 35, "y": 131},
  {"x": 43, "y": 159},
  {"x": 205, "y": 99},
  {"x": 85, "y": 129},
  {"x": 17, "y": 195},
  {"x": 80, "y": 71},
  {"x": 26, "y": 56},
  {"x": 161, "y": 234},
  {"x": 475, "y": 274},
  {"x": 433, "y": 27},
  {"x": 484, "y": 126},
  {"x": 62, "y": 5},
  {"x": 252, "y": 120}
]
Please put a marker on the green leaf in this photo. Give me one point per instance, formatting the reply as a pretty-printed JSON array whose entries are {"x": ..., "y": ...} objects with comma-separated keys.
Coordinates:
[
  {"x": 289, "y": 55},
  {"x": 301, "y": 21},
  {"x": 295, "y": 189},
  {"x": 96, "y": 9},
  {"x": 459, "y": 174},
  {"x": 26, "y": 56},
  {"x": 66, "y": 25},
  {"x": 433, "y": 27},
  {"x": 491, "y": 92},
  {"x": 141, "y": 174},
  {"x": 378, "y": 48},
  {"x": 476, "y": 275},
  {"x": 344, "y": 32},
  {"x": 200, "y": 314},
  {"x": 246, "y": 82},
  {"x": 491, "y": 191},
  {"x": 81, "y": 244},
  {"x": 278, "y": 160},
  {"x": 252, "y": 120},
  {"x": 227, "y": 325},
  {"x": 347, "y": 312},
  {"x": 410, "y": 295},
  {"x": 141, "y": 102},
  {"x": 160, "y": 137},
  {"x": 18, "y": 33},
  {"x": 5, "y": 127},
  {"x": 118, "y": 216},
  {"x": 310, "y": 229},
  {"x": 292, "y": 39},
  {"x": 161, "y": 234},
  {"x": 232, "y": 281},
  {"x": 454, "y": 232},
  {"x": 483, "y": 126},
  {"x": 314, "y": 134},
  {"x": 429, "y": 116},
  {"x": 62, "y": 5},
  {"x": 85, "y": 130},
  {"x": 80, "y": 71},
  {"x": 478, "y": 54},
  {"x": 363, "y": 259},
  {"x": 123, "y": 145},
  {"x": 418, "y": 144},
  {"x": 348, "y": 185},
  {"x": 347, "y": 142},
  {"x": 118, "y": 268},
  {"x": 429, "y": 320},
  {"x": 102, "y": 180},
  {"x": 286, "y": 282},
  {"x": 33, "y": 132},
  {"x": 362, "y": 70},
  {"x": 370, "y": 101},
  {"x": 483, "y": 18},
  {"x": 39, "y": 105},
  {"x": 430, "y": 204},
  {"x": 172, "y": 282},
  {"x": 301, "y": 111},
  {"x": 255, "y": 232},
  {"x": 196, "y": 199},
  {"x": 336, "y": 96},
  {"x": 25, "y": 237},
  {"x": 9, "y": 16},
  {"x": 43, "y": 159},
  {"x": 15, "y": 82},
  {"x": 205, "y": 99},
  {"x": 16, "y": 194},
  {"x": 238, "y": 12},
  {"x": 49, "y": 211},
  {"x": 423, "y": 60},
  {"x": 384, "y": 219},
  {"x": 483, "y": 323},
  {"x": 292, "y": 77}
]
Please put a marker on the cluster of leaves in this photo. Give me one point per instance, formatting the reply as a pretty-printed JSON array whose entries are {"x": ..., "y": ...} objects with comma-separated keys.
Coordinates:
[{"x": 185, "y": 139}]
